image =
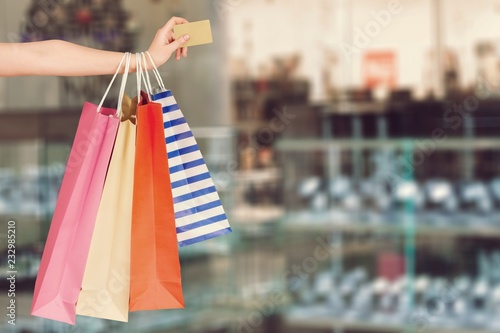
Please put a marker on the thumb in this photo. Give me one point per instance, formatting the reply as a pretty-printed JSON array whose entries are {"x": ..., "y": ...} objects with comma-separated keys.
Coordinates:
[{"x": 178, "y": 42}]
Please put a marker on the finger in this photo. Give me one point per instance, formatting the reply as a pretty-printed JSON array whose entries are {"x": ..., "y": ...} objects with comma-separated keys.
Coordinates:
[
  {"x": 173, "y": 21},
  {"x": 178, "y": 43},
  {"x": 184, "y": 51},
  {"x": 170, "y": 37},
  {"x": 178, "y": 54}
]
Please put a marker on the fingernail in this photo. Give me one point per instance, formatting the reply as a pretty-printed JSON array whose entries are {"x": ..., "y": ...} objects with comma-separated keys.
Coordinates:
[{"x": 186, "y": 37}]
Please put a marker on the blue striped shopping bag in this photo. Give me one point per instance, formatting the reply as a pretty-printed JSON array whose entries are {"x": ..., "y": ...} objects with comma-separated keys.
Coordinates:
[{"x": 199, "y": 214}]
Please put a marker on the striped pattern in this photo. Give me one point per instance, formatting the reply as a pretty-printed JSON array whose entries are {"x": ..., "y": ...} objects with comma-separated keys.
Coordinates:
[{"x": 199, "y": 214}]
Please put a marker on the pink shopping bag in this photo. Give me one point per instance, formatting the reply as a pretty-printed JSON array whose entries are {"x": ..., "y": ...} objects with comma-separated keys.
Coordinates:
[{"x": 65, "y": 254}]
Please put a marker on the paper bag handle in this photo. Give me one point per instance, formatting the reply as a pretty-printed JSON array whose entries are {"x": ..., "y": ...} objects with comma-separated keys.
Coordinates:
[
  {"x": 126, "y": 57},
  {"x": 145, "y": 74},
  {"x": 155, "y": 71},
  {"x": 138, "y": 74}
]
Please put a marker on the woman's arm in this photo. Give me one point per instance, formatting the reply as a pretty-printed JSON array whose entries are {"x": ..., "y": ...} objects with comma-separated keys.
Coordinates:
[{"x": 60, "y": 58}]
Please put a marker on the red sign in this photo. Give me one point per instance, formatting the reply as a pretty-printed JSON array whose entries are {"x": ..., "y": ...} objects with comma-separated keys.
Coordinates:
[{"x": 380, "y": 69}]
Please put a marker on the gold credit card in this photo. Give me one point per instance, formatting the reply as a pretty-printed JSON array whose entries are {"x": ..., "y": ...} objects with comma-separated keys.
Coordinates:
[{"x": 199, "y": 32}]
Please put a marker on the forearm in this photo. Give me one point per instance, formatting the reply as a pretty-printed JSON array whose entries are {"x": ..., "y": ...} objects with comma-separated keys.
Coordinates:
[{"x": 58, "y": 58}]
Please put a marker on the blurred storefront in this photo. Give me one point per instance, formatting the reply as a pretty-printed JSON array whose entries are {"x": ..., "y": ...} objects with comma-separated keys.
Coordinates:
[{"x": 354, "y": 144}]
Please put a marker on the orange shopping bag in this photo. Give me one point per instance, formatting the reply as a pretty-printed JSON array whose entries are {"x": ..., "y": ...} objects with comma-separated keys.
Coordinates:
[{"x": 155, "y": 272}]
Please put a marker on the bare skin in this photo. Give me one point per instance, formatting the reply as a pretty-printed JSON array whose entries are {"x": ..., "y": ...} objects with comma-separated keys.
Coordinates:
[{"x": 60, "y": 58}]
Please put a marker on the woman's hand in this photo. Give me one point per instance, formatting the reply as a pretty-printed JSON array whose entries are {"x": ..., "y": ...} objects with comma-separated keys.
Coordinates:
[{"x": 164, "y": 43}]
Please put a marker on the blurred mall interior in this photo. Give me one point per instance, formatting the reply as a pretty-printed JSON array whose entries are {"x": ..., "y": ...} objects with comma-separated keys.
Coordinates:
[{"x": 353, "y": 142}]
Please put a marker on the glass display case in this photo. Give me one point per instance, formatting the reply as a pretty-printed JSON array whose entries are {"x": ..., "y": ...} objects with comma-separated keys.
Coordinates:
[{"x": 389, "y": 234}]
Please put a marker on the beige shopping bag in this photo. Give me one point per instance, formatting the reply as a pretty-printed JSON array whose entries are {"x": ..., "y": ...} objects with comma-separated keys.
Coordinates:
[{"x": 106, "y": 283}]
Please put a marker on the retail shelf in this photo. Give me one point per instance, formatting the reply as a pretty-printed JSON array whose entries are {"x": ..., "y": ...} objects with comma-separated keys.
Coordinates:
[
  {"x": 357, "y": 108},
  {"x": 323, "y": 323},
  {"x": 297, "y": 317},
  {"x": 417, "y": 143},
  {"x": 154, "y": 322},
  {"x": 212, "y": 132},
  {"x": 331, "y": 222},
  {"x": 252, "y": 215},
  {"x": 258, "y": 176},
  {"x": 215, "y": 318}
]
